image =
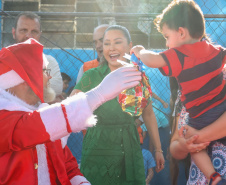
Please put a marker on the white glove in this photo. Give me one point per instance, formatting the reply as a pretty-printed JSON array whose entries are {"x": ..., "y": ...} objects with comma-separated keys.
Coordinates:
[{"x": 112, "y": 85}]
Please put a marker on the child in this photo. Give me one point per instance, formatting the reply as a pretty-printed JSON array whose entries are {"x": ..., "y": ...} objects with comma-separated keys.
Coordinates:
[
  {"x": 66, "y": 80},
  {"x": 196, "y": 64}
]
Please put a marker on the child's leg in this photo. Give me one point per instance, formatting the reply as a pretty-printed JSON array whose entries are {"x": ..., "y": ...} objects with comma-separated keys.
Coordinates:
[{"x": 203, "y": 162}]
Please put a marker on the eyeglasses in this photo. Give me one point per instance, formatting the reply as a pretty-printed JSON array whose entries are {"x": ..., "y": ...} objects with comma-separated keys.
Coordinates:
[{"x": 47, "y": 71}]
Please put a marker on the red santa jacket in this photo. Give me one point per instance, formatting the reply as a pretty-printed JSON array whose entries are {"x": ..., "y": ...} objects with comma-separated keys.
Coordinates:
[{"x": 24, "y": 159}]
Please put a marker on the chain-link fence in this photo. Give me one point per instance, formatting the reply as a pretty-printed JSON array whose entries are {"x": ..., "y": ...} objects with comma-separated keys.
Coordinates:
[{"x": 67, "y": 28}]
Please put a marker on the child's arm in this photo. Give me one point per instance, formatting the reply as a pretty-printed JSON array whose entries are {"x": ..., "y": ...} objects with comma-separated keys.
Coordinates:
[
  {"x": 149, "y": 58},
  {"x": 212, "y": 132},
  {"x": 149, "y": 176}
]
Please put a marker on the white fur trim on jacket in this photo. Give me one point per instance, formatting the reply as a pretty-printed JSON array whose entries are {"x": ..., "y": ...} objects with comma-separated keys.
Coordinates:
[
  {"x": 54, "y": 121},
  {"x": 10, "y": 79},
  {"x": 63, "y": 139},
  {"x": 43, "y": 170},
  {"x": 78, "y": 113},
  {"x": 45, "y": 61},
  {"x": 79, "y": 180}
]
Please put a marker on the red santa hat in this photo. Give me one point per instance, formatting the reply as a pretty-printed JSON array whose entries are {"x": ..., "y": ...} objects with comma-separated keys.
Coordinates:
[{"x": 23, "y": 62}]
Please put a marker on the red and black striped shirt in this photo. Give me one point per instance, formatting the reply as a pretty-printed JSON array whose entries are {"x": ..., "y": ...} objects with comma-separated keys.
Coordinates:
[{"x": 198, "y": 70}]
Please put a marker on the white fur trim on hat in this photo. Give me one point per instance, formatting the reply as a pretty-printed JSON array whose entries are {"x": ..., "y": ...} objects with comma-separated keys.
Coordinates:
[
  {"x": 45, "y": 61},
  {"x": 10, "y": 79}
]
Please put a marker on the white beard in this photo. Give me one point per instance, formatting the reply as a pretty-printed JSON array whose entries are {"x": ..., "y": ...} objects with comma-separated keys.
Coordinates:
[{"x": 49, "y": 94}]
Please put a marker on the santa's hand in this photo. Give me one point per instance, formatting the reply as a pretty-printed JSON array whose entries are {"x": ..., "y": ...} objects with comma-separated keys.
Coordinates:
[
  {"x": 112, "y": 85},
  {"x": 160, "y": 161}
]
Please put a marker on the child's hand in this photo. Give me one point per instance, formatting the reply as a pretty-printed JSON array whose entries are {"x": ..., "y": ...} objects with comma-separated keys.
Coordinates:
[{"x": 136, "y": 50}]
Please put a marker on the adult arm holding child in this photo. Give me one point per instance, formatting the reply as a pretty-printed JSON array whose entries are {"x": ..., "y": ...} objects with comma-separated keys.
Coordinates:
[{"x": 214, "y": 131}]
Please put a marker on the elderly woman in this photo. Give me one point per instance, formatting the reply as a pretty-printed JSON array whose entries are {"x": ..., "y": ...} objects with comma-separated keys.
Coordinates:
[{"x": 111, "y": 152}]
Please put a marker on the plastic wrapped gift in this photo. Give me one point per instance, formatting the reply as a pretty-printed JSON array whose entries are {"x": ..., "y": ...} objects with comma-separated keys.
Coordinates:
[{"x": 134, "y": 100}]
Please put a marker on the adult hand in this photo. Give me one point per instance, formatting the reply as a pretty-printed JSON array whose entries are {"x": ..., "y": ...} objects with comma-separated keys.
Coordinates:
[
  {"x": 117, "y": 81},
  {"x": 113, "y": 84},
  {"x": 136, "y": 50},
  {"x": 189, "y": 141},
  {"x": 190, "y": 131},
  {"x": 160, "y": 161}
]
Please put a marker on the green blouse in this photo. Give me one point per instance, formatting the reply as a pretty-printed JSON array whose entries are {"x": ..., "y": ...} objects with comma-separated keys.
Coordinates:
[{"x": 111, "y": 153}]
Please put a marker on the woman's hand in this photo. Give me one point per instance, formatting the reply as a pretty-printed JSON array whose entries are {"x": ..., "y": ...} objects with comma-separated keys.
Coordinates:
[
  {"x": 212, "y": 132},
  {"x": 181, "y": 146},
  {"x": 190, "y": 131},
  {"x": 160, "y": 161},
  {"x": 189, "y": 140}
]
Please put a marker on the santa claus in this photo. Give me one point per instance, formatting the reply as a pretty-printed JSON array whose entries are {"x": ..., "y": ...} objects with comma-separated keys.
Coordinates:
[{"x": 34, "y": 134}]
